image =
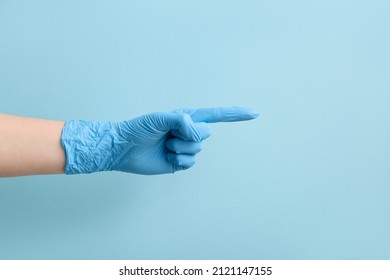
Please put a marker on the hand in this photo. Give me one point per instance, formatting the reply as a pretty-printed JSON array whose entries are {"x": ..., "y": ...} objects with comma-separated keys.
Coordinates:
[{"x": 156, "y": 143}]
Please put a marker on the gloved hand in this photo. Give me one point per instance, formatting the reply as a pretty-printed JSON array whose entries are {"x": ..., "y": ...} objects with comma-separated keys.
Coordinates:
[{"x": 156, "y": 143}]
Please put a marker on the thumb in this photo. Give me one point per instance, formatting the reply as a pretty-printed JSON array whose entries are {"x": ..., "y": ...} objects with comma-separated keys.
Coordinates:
[{"x": 180, "y": 123}]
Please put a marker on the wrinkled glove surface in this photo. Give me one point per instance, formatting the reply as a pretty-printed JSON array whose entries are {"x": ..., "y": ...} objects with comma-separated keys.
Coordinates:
[{"x": 156, "y": 143}]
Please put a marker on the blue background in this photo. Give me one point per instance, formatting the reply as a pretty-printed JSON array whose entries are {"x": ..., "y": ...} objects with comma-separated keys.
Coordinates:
[{"x": 309, "y": 179}]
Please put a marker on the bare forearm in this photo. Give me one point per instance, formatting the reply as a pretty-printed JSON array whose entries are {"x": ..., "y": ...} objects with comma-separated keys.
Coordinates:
[{"x": 30, "y": 146}]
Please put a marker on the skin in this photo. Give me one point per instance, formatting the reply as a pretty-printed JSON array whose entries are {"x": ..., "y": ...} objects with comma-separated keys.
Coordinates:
[{"x": 30, "y": 146}]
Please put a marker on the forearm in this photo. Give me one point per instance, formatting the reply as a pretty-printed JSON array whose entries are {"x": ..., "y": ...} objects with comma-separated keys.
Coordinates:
[{"x": 30, "y": 146}]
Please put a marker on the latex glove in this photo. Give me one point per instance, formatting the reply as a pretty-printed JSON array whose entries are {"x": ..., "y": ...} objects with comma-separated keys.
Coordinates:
[{"x": 156, "y": 143}]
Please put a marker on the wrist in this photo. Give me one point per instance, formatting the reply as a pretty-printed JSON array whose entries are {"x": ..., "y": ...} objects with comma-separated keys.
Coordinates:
[{"x": 88, "y": 146}]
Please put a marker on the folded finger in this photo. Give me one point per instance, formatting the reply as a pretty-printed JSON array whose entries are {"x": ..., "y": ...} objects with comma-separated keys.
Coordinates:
[{"x": 180, "y": 146}]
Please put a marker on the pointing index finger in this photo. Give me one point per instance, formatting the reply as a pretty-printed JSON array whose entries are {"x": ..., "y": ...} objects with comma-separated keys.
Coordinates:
[{"x": 221, "y": 114}]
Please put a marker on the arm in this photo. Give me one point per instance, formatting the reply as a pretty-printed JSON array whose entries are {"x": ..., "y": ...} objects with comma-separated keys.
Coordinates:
[
  {"x": 157, "y": 143},
  {"x": 30, "y": 146}
]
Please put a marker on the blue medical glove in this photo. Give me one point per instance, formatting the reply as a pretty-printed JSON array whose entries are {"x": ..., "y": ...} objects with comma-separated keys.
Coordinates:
[{"x": 156, "y": 143}]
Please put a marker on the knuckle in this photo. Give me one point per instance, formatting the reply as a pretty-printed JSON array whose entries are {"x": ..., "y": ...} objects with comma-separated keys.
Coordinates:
[
  {"x": 184, "y": 118},
  {"x": 199, "y": 148}
]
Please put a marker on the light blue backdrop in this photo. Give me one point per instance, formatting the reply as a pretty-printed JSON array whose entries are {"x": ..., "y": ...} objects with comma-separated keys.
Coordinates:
[{"x": 309, "y": 179}]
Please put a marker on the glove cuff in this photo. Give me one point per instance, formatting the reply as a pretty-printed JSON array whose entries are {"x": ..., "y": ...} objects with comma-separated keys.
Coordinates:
[{"x": 88, "y": 146}]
